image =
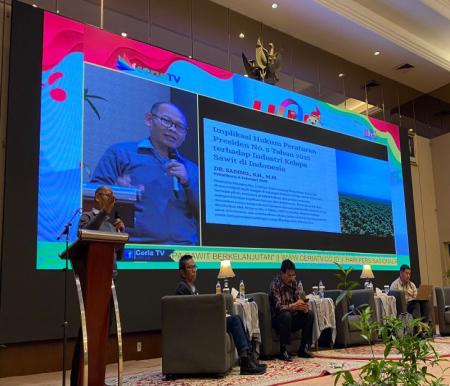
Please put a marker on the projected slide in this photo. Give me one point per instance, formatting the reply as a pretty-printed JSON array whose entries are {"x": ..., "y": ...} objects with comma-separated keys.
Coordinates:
[
  {"x": 264, "y": 180},
  {"x": 283, "y": 184},
  {"x": 364, "y": 195},
  {"x": 271, "y": 174}
]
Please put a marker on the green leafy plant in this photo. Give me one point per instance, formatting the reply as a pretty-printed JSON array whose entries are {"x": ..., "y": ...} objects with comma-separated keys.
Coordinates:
[
  {"x": 415, "y": 354},
  {"x": 88, "y": 98},
  {"x": 345, "y": 283}
]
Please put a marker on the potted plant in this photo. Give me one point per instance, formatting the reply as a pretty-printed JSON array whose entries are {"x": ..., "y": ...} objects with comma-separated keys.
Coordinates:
[{"x": 415, "y": 356}]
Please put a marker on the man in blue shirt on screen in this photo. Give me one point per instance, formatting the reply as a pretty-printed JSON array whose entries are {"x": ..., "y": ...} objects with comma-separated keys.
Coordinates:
[{"x": 167, "y": 212}]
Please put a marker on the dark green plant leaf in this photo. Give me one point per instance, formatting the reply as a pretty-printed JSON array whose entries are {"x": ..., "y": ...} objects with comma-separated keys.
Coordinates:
[
  {"x": 387, "y": 349},
  {"x": 93, "y": 108},
  {"x": 95, "y": 97},
  {"x": 340, "y": 297},
  {"x": 88, "y": 97}
]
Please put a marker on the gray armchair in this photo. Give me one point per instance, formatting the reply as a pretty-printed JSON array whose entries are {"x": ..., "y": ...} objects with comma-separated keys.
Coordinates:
[
  {"x": 400, "y": 301},
  {"x": 443, "y": 309},
  {"x": 346, "y": 331},
  {"x": 402, "y": 306},
  {"x": 194, "y": 337},
  {"x": 270, "y": 340}
]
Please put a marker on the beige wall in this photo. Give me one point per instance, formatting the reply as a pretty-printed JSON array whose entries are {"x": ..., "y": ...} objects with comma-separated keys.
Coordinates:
[
  {"x": 440, "y": 150},
  {"x": 423, "y": 182},
  {"x": 431, "y": 189}
]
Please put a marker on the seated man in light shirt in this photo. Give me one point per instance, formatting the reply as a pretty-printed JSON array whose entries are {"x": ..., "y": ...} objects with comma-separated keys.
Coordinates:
[{"x": 417, "y": 308}]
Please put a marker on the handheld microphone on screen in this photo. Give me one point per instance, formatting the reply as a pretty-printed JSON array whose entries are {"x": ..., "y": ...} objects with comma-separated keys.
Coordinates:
[
  {"x": 117, "y": 219},
  {"x": 173, "y": 156}
]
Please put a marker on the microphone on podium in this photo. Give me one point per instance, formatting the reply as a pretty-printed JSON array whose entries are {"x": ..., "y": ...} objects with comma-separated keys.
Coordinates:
[{"x": 173, "y": 156}]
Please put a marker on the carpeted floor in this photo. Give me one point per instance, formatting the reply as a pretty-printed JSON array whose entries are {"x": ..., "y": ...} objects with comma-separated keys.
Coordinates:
[
  {"x": 301, "y": 373},
  {"x": 441, "y": 345},
  {"x": 278, "y": 373},
  {"x": 282, "y": 373}
]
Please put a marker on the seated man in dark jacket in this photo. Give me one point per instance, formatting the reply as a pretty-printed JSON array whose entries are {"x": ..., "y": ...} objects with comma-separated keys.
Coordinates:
[
  {"x": 290, "y": 313},
  {"x": 188, "y": 273}
]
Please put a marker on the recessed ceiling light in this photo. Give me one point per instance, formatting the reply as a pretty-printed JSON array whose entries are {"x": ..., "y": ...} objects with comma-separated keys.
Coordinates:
[
  {"x": 34, "y": 5},
  {"x": 124, "y": 34},
  {"x": 241, "y": 35},
  {"x": 376, "y": 53},
  {"x": 341, "y": 75},
  {"x": 274, "y": 5}
]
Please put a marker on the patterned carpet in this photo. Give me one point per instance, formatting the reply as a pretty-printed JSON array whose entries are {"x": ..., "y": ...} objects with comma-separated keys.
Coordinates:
[
  {"x": 441, "y": 345},
  {"x": 283, "y": 373},
  {"x": 278, "y": 373}
]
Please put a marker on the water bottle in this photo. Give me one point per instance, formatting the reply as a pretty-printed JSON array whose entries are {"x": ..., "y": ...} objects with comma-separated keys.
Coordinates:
[
  {"x": 218, "y": 288},
  {"x": 242, "y": 290},
  {"x": 300, "y": 287},
  {"x": 226, "y": 289},
  {"x": 321, "y": 289}
]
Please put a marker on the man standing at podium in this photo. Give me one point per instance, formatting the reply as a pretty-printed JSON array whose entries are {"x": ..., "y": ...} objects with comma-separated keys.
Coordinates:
[{"x": 97, "y": 219}]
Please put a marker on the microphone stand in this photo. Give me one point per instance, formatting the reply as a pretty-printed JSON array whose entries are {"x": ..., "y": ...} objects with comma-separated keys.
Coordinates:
[{"x": 66, "y": 232}]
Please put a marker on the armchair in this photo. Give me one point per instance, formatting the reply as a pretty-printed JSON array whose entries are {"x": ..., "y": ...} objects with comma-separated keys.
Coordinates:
[
  {"x": 443, "y": 309},
  {"x": 402, "y": 306},
  {"x": 270, "y": 340},
  {"x": 194, "y": 337},
  {"x": 400, "y": 301},
  {"x": 346, "y": 331}
]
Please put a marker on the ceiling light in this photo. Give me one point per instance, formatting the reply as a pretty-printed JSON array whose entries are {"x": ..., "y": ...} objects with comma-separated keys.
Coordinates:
[
  {"x": 34, "y": 5},
  {"x": 411, "y": 130},
  {"x": 246, "y": 75},
  {"x": 376, "y": 53},
  {"x": 57, "y": 11},
  {"x": 359, "y": 107},
  {"x": 274, "y": 5},
  {"x": 190, "y": 56},
  {"x": 124, "y": 34},
  {"x": 241, "y": 35},
  {"x": 341, "y": 75}
]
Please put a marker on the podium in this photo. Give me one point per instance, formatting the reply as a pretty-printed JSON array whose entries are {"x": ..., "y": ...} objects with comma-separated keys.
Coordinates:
[{"x": 92, "y": 258}]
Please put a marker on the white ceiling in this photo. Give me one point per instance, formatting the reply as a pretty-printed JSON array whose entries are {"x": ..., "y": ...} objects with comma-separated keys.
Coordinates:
[{"x": 404, "y": 31}]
